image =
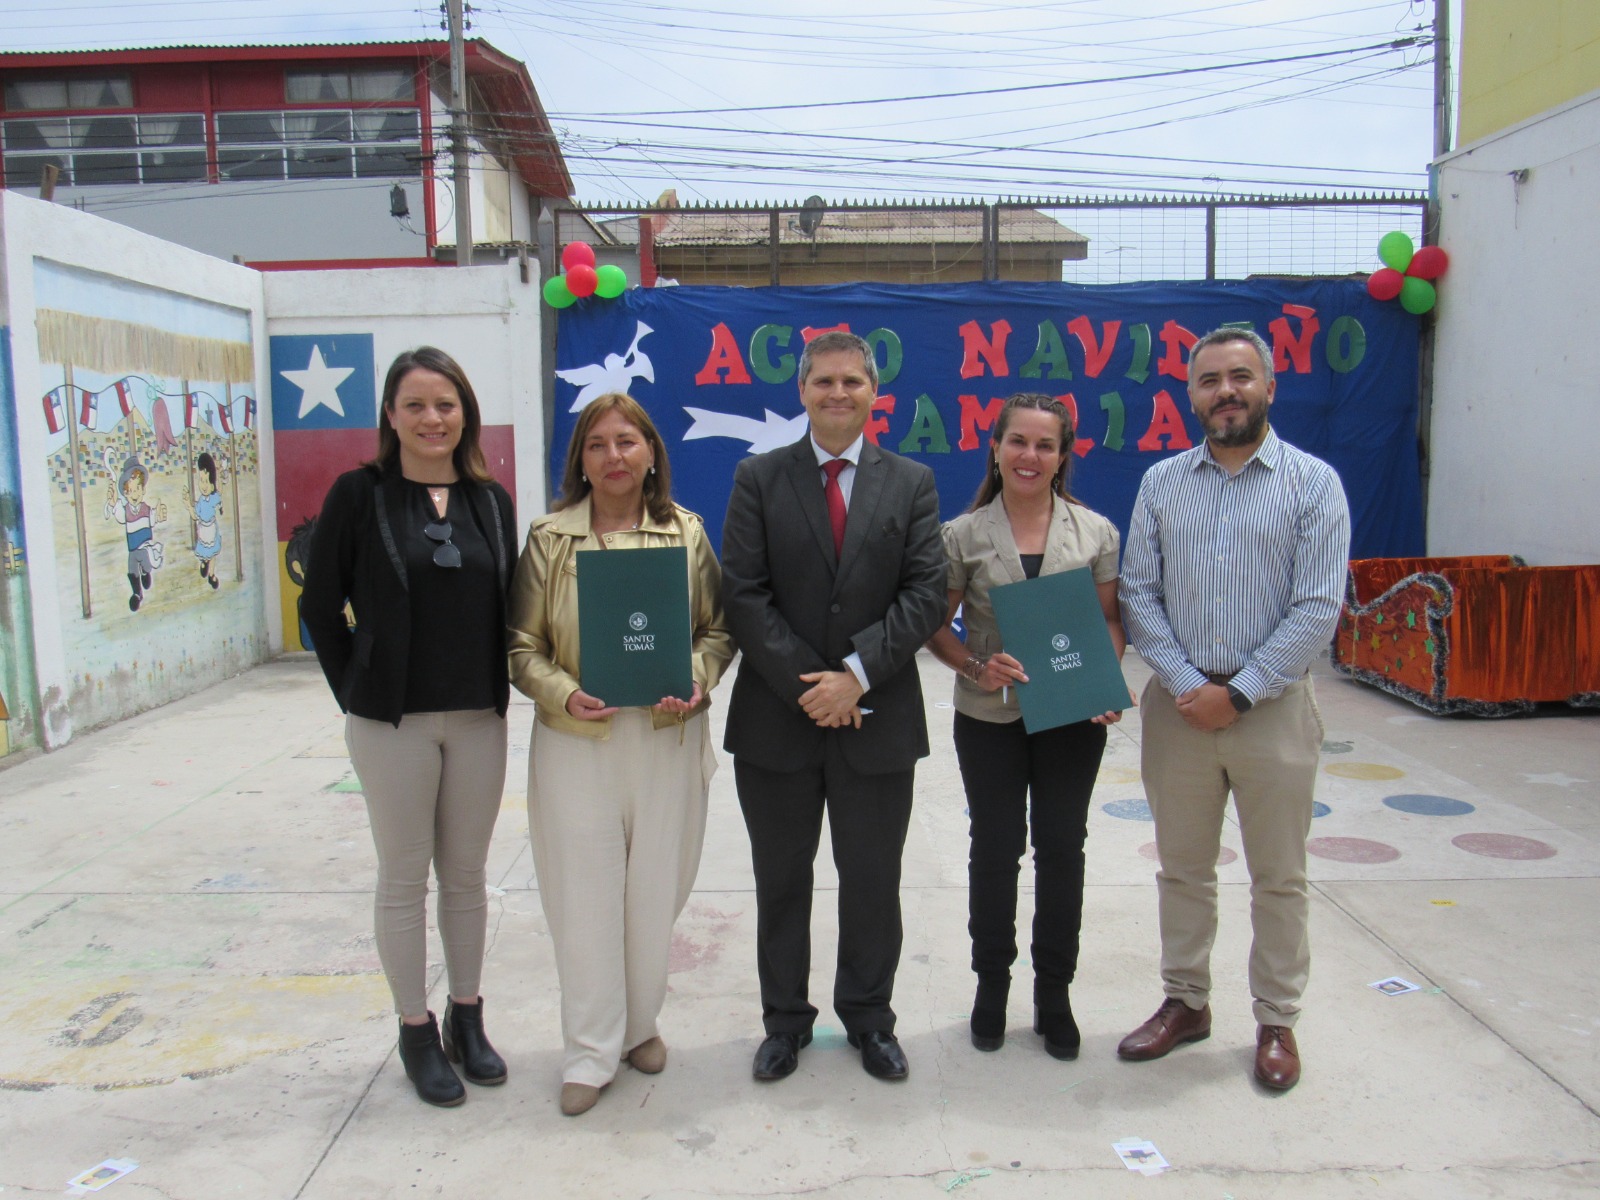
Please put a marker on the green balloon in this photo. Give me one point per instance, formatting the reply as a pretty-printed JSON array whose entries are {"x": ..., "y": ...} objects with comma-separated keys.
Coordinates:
[
  {"x": 1417, "y": 295},
  {"x": 1396, "y": 250},
  {"x": 557, "y": 294},
  {"x": 613, "y": 282}
]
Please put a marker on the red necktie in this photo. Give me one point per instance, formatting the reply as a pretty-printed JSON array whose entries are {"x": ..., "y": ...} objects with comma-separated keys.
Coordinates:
[{"x": 835, "y": 495}]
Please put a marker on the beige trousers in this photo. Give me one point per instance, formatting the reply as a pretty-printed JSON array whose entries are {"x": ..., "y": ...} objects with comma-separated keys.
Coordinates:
[
  {"x": 1268, "y": 760},
  {"x": 616, "y": 828},
  {"x": 433, "y": 791}
]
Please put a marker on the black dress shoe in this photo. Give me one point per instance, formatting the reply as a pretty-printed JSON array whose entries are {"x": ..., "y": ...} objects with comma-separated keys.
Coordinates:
[
  {"x": 426, "y": 1065},
  {"x": 779, "y": 1055},
  {"x": 464, "y": 1042},
  {"x": 881, "y": 1054}
]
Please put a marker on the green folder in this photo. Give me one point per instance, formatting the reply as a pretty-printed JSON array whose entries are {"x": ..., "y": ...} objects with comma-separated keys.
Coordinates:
[
  {"x": 634, "y": 639},
  {"x": 1053, "y": 626}
]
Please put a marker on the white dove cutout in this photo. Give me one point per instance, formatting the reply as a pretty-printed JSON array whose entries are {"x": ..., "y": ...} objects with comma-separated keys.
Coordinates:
[
  {"x": 766, "y": 435},
  {"x": 616, "y": 374}
]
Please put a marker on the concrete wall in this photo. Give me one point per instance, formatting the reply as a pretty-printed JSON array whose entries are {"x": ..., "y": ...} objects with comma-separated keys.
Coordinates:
[
  {"x": 132, "y": 364},
  {"x": 1516, "y": 411},
  {"x": 267, "y": 221},
  {"x": 1519, "y": 59},
  {"x": 356, "y": 322}
]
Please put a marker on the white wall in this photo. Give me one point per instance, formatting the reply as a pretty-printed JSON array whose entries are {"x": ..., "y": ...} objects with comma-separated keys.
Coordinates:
[
  {"x": 1516, "y": 408},
  {"x": 485, "y": 317}
]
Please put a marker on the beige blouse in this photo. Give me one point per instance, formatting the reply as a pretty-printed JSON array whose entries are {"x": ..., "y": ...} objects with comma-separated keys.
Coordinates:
[
  {"x": 543, "y": 615},
  {"x": 983, "y": 554}
]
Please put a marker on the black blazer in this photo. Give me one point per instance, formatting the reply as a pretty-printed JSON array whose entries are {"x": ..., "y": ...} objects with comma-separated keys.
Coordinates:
[
  {"x": 794, "y": 610},
  {"x": 356, "y": 556}
]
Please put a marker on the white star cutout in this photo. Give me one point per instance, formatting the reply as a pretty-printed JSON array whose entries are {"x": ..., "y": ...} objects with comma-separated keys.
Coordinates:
[{"x": 319, "y": 383}]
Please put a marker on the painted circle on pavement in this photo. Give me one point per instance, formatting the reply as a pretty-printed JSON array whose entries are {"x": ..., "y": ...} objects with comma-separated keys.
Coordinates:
[
  {"x": 1424, "y": 805},
  {"x": 1351, "y": 850},
  {"x": 1361, "y": 770},
  {"x": 1224, "y": 855},
  {"x": 1503, "y": 845},
  {"x": 1337, "y": 747},
  {"x": 1319, "y": 809},
  {"x": 1136, "y": 809}
]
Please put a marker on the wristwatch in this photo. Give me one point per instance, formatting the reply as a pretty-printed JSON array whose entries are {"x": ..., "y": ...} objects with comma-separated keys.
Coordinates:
[{"x": 1241, "y": 703}]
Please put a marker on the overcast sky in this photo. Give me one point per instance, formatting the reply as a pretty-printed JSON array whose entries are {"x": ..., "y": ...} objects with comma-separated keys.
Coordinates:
[{"x": 1122, "y": 96}]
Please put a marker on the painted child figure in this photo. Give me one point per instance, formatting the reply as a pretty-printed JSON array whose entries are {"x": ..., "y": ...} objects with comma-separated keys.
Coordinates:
[
  {"x": 125, "y": 504},
  {"x": 205, "y": 509}
]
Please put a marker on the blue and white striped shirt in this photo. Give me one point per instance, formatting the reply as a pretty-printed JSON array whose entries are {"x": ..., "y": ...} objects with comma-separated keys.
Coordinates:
[{"x": 1237, "y": 575}]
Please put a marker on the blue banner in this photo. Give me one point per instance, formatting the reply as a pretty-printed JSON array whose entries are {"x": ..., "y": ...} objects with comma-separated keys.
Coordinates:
[{"x": 715, "y": 368}]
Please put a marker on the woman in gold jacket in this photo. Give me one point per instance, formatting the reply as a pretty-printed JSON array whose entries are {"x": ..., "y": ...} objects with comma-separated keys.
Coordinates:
[{"x": 616, "y": 796}]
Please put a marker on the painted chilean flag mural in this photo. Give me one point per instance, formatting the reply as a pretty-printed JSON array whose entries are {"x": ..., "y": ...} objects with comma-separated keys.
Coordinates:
[{"x": 716, "y": 366}]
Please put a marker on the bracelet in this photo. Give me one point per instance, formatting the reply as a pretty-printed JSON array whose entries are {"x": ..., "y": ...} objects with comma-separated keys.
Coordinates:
[{"x": 973, "y": 668}]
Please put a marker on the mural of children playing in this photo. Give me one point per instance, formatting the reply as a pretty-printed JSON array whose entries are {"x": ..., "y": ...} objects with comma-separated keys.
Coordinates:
[
  {"x": 125, "y": 504},
  {"x": 205, "y": 509}
]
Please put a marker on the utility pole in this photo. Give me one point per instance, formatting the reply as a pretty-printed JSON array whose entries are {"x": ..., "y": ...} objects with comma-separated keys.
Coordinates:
[{"x": 461, "y": 173}]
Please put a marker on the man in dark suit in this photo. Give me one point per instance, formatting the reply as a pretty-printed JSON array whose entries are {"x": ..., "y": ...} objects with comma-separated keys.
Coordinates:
[{"x": 833, "y": 575}]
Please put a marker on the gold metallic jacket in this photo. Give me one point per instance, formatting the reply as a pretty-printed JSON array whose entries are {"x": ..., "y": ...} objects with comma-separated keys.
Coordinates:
[{"x": 543, "y": 620}]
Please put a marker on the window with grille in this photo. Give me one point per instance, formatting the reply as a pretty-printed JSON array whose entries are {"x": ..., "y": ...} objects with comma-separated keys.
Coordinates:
[
  {"x": 319, "y": 144},
  {"x": 105, "y": 148}
]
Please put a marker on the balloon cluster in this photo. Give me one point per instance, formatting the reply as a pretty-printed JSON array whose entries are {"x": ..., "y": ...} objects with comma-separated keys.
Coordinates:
[
  {"x": 582, "y": 278},
  {"x": 1407, "y": 273}
]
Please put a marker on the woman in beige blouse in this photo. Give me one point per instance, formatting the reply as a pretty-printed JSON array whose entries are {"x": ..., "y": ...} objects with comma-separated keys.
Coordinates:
[
  {"x": 1023, "y": 523},
  {"x": 616, "y": 796}
]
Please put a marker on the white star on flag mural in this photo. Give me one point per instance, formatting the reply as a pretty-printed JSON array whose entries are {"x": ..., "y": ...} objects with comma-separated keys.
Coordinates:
[{"x": 319, "y": 383}]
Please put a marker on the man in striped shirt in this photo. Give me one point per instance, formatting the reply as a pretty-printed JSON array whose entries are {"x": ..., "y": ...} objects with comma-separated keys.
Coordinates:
[{"x": 1231, "y": 586}]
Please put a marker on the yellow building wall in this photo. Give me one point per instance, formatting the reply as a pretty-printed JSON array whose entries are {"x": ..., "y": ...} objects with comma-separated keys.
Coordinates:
[{"x": 1522, "y": 57}]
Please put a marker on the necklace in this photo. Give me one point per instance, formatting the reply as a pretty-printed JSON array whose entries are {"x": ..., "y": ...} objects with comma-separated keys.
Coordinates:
[{"x": 438, "y": 495}]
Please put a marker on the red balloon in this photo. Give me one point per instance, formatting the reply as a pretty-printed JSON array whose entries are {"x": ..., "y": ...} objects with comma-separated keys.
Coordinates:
[
  {"x": 1383, "y": 284},
  {"x": 577, "y": 254},
  {"x": 1430, "y": 262},
  {"x": 582, "y": 280}
]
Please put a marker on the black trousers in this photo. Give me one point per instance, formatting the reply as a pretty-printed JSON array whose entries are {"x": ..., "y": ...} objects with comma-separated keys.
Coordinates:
[
  {"x": 1016, "y": 780},
  {"x": 867, "y": 818}
]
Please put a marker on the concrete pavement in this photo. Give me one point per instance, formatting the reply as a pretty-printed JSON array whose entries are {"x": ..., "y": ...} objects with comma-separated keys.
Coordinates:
[{"x": 189, "y": 981}]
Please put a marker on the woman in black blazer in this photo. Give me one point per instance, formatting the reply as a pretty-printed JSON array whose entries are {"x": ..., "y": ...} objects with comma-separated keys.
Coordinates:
[{"x": 420, "y": 542}]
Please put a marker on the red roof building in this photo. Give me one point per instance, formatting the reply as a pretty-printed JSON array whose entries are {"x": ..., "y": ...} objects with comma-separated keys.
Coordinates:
[{"x": 283, "y": 155}]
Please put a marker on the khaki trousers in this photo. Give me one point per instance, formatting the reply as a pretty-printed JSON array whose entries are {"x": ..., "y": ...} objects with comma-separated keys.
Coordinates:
[
  {"x": 433, "y": 792},
  {"x": 1268, "y": 760},
  {"x": 616, "y": 828}
]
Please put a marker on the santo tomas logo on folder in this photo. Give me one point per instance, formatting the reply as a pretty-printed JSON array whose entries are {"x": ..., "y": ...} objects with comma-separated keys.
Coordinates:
[
  {"x": 1054, "y": 627},
  {"x": 634, "y": 639}
]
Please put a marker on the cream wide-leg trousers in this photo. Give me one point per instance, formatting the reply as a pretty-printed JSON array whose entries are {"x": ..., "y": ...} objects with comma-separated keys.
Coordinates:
[{"x": 616, "y": 827}]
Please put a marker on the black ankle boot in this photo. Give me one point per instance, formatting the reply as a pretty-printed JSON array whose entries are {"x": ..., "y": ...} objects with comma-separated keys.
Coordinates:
[
  {"x": 465, "y": 1043},
  {"x": 426, "y": 1065},
  {"x": 989, "y": 1012},
  {"x": 1052, "y": 1019}
]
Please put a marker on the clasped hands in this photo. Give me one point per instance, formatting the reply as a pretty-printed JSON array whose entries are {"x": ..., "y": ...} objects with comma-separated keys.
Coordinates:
[
  {"x": 584, "y": 707},
  {"x": 1207, "y": 708},
  {"x": 830, "y": 701}
]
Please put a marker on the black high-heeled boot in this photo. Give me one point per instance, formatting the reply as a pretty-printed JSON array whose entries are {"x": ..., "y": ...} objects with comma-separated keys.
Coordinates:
[
  {"x": 989, "y": 1012},
  {"x": 426, "y": 1065},
  {"x": 465, "y": 1043},
  {"x": 1052, "y": 1019}
]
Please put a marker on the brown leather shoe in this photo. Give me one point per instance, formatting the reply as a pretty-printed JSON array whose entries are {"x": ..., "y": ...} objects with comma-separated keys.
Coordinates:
[
  {"x": 1277, "y": 1057},
  {"x": 1173, "y": 1024}
]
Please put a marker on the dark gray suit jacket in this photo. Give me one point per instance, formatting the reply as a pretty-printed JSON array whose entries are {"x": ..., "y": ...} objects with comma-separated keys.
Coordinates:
[{"x": 794, "y": 610}]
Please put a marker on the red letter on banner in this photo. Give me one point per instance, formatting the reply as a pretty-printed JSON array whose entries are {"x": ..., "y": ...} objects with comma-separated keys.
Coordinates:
[
  {"x": 1175, "y": 339},
  {"x": 975, "y": 417},
  {"x": 992, "y": 350},
  {"x": 1165, "y": 422},
  {"x": 1287, "y": 347},
  {"x": 724, "y": 356},
  {"x": 1095, "y": 354}
]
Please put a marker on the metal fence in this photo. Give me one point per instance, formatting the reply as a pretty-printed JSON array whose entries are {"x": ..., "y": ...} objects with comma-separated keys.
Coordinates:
[{"x": 1077, "y": 239}]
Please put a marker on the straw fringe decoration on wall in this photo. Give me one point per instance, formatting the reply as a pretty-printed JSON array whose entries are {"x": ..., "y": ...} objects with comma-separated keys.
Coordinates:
[{"x": 112, "y": 347}]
